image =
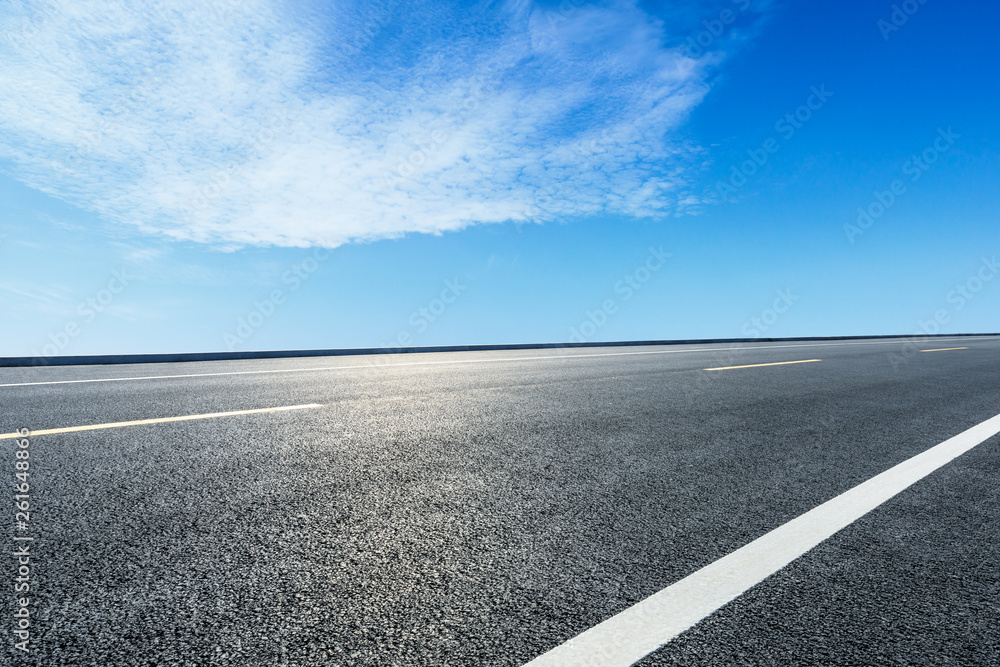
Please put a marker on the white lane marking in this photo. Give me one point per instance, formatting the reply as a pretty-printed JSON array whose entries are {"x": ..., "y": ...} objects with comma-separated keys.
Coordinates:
[
  {"x": 644, "y": 627},
  {"x": 946, "y": 349},
  {"x": 157, "y": 420},
  {"x": 773, "y": 363},
  {"x": 893, "y": 341}
]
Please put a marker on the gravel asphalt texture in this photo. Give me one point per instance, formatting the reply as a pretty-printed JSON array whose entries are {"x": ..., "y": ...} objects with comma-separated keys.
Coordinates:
[{"x": 484, "y": 508}]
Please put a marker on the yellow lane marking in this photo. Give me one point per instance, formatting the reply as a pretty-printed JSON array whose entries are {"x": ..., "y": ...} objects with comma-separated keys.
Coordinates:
[
  {"x": 945, "y": 349},
  {"x": 161, "y": 420},
  {"x": 776, "y": 363}
]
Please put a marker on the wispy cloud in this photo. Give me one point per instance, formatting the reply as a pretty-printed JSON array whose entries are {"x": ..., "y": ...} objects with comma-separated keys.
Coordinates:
[{"x": 258, "y": 122}]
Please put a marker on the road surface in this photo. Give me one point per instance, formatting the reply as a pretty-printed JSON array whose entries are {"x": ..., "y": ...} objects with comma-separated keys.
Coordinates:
[{"x": 486, "y": 508}]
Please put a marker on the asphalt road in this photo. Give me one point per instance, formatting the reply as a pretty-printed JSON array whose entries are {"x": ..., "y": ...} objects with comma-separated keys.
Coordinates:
[{"x": 483, "y": 508}]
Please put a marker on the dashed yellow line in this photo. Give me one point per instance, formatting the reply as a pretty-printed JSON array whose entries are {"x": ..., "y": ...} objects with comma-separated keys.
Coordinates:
[
  {"x": 161, "y": 420},
  {"x": 776, "y": 363},
  {"x": 945, "y": 349}
]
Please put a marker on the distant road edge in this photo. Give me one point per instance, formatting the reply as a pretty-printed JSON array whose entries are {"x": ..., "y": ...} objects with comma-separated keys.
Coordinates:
[{"x": 100, "y": 359}]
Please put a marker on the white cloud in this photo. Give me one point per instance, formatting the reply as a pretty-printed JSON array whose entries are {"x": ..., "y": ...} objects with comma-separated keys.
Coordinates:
[{"x": 252, "y": 123}]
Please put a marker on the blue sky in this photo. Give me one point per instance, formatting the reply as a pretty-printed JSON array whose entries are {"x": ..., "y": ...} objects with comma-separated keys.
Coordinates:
[{"x": 263, "y": 175}]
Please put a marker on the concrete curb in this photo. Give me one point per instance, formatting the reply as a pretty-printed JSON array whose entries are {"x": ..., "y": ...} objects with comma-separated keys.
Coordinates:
[{"x": 16, "y": 362}]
